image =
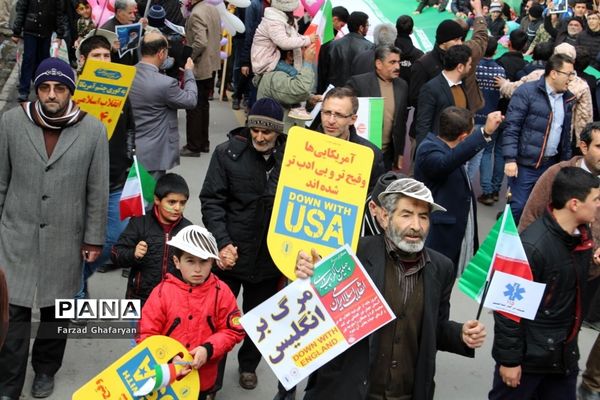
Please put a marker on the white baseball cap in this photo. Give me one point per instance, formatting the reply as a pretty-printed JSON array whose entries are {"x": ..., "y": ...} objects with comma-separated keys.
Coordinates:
[
  {"x": 197, "y": 241},
  {"x": 411, "y": 188}
]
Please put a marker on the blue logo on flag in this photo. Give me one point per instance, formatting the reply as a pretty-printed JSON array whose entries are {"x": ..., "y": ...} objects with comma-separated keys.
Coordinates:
[{"x": 514, "y": 291}]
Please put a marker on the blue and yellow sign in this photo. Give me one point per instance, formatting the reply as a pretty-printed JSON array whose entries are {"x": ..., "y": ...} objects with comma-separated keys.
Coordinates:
[
  {"x": 320, "y": 196},
  {"x": 125, "y": 376},
  {"x": 102, "y": 90}
]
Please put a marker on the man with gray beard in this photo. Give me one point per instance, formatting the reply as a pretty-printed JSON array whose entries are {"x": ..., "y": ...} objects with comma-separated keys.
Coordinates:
[{"x": 396, "y": 362}]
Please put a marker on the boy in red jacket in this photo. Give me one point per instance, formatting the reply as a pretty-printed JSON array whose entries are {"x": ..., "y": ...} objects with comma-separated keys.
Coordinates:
[{"x": 193, "y": 306}]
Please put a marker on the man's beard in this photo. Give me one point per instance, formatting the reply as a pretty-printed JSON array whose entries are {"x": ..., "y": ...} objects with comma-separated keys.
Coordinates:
[
  {"x": 54, "y": 114},
  {"x": 397, "y": 237}
]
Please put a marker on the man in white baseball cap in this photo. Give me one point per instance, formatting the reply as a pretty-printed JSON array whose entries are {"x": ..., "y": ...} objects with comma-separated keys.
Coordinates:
[{"x": 395, "y": 361}]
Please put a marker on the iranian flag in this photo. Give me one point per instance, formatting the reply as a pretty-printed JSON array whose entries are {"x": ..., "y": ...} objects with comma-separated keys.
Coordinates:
[
  {"x": 322, "y": 25},
  {"x": 502, "y": 251},
  {"x": 138, "y": 191},
  {"x": 164, "y": 375},
  {"x": 369, "y": 121}
]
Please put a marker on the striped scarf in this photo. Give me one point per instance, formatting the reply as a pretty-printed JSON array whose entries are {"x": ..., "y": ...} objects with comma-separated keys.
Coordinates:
[{"x": 34, "y": 111}]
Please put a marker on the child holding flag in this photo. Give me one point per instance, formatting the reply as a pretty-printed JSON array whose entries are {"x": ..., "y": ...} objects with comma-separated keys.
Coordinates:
[
  {"x": 538, "y": 358},
  {"x": 193, "y": 306},
  {"x": 142, "y": 245}
]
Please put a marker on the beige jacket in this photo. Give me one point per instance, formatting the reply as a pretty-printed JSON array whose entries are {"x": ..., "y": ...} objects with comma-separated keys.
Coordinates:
[
  {"x": 203, "y": 34},
  {"x": 582, "y": 109}
]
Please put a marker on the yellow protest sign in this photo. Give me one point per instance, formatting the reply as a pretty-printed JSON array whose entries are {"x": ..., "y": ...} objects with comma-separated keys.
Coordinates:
[
  {"x": 129, "y": 373},
  {"x": 102, "y": 89},
  {"x": 320, "y": 196}
]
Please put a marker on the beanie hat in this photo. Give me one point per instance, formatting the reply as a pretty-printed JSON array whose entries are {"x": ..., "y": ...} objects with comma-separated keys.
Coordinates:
[
  {"x": 496, "y": 7},
  {"x": 285, "y": 5},
  {"x": 536, "y": 11},
  {"x": 383, "y": 182},
  {"x": 266, "y": 113},
  {"x": 577, "y": 19},
  {"x": 55, "y": 69},
  {"x": 156, "y": 16},
  {"x": 448, "y": 30},
  {"x": 566, "y": 49}
]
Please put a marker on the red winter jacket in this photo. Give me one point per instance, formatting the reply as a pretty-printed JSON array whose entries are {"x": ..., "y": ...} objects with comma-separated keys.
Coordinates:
[{"x": 206, "y": 314}]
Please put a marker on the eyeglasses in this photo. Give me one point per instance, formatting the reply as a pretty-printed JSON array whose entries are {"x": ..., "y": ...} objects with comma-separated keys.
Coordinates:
[
  {"x": 335, "y": 115},
  {"x": 568, "y": 74}
]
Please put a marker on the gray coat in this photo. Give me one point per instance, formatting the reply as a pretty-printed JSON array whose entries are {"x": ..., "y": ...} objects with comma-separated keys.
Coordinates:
[
  {"x": 49, "y": 207},
  {"x": 155, "y": 99}
]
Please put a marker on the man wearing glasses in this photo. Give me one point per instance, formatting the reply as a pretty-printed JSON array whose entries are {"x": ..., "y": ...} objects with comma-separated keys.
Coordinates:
[
  {"x": 538, "y": 129},
  {"x": 337, "y": 119},
  {"x": 54, "y": 173}
]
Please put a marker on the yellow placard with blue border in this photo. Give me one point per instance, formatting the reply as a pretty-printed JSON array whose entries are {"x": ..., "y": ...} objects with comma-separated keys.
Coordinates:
[
  {"x": 320, "y": 196},
  {"x": 102, "y": 89},
  {"x": 129, "y": 373}
]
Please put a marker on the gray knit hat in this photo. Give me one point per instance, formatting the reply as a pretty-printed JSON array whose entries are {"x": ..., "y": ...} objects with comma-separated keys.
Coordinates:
[{"x": 285, "y": 5}]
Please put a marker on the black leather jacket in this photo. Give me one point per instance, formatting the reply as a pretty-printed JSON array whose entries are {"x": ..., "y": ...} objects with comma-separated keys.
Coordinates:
[{"x": 341, "y": 55}]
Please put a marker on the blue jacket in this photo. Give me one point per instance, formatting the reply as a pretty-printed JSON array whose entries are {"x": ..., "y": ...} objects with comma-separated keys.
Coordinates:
[
  {"x": 528, "y": 122},
  {"x": 440, "y": 168}
]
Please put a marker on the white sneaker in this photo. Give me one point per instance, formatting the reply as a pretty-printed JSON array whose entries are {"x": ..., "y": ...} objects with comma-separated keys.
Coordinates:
[{"x": 299, "y": 113}]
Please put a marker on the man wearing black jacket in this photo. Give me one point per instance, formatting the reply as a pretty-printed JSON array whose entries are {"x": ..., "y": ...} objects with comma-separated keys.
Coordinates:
[
  {"x": 513, "y": 61},
  {"x": 590, "y": 37},
  {"x": 339, "y": 16},
  {"x": 237, "y": 201},
  {"x": 385, "y": 82},
  {"x": 408, "y": 52},
  {"x": 343, "y": 51},
  {"x": 538, "y": 357},
  {"x": 398, "y": 360},
  {"x": 35, "y": 21}
]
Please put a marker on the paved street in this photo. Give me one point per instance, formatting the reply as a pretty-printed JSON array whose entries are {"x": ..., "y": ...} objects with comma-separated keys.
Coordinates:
[{"x": 457, "y": 377}]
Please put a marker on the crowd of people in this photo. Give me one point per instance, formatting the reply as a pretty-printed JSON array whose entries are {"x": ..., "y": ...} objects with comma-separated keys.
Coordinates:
[{"x": 454, "y": 118}]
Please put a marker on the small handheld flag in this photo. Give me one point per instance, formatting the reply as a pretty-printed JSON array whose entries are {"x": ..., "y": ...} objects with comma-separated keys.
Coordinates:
[
  {"x": 164, "y": 375},
  {"x": 322, "y": 25},
  {"x": 138, "y": 191},
  {"x": 501, "y": 251}
]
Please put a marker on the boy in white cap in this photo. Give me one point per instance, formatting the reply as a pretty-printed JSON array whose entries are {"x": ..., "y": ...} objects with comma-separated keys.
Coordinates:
[{"x": 193, "y": 306}]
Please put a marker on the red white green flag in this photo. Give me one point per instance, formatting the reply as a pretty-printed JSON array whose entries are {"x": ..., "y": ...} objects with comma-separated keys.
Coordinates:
[
  {"x": 164, "y": 375},
  {"x": 502, "y": 251},
  {"x": 138, "y": 191},
  {"x": 322, "y": 25},
  {"x": 369, "y": 121}
]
